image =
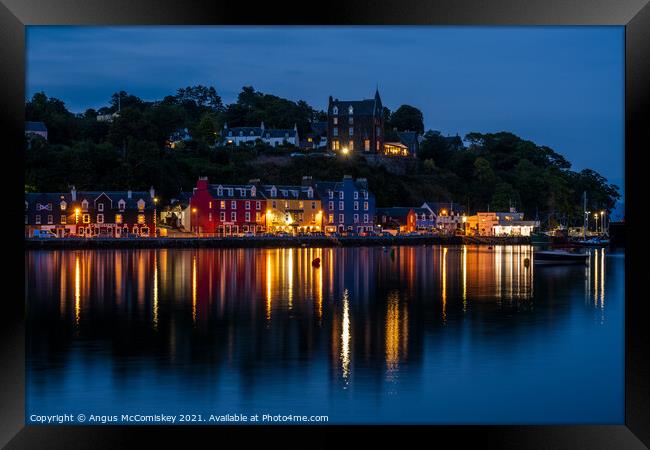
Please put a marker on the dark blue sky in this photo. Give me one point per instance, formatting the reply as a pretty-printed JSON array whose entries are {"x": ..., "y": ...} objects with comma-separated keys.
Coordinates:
[{"x": 559, "y": 86}]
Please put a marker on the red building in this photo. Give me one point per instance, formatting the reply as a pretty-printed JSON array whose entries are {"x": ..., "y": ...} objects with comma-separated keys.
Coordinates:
[{"x": 227, "y": 209}]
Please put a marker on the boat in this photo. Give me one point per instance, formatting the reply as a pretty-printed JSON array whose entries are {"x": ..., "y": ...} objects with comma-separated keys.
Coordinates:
[
  {"x": 559, "y": 257},
  {"x": 592, "y": 242},
  {"x": 540, "y": 238}
]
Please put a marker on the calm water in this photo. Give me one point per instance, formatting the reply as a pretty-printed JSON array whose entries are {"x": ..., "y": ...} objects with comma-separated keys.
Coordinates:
[{"x": 462, "y": 334}]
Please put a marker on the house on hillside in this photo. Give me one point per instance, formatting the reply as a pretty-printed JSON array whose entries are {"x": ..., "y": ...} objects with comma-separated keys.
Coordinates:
[{"x": 273, "y": 137}]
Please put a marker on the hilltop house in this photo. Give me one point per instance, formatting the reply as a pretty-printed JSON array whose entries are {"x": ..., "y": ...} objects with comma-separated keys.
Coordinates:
[
  {"x": 249, "y": 135},
  {"x": 355, "y": 125},
  {"x": 36, "y": 129}
]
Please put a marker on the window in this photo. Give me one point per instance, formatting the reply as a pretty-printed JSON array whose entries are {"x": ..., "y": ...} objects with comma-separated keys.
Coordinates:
[
  {"x": 274, "y": 193},
  {"x": 222, "y": 216},
  {"x": 356, "y": 206},
  {"x": 365, "y": 206},
  {"x": 140, "y": 219},
  {"x": 84, "y": 205},
  {"x": 248, "y": 205},
  {"x": 26, "y": 219},
  {"x": 341, "y": 218},
  {"x": 378, "y": 131},
  {"x": 335, "y": 120},
  {"x": 233, "y": 205},
  {"x": 351, "y": 131},
  {"x": 258, "y": 205},
  {"x": 341, "y": 207},
  {"x": 140, "y": 205},
  {"x": 100, "y": 218},
  {"x": 209, "y": 217},
  {"x": 118, "y": 219},
  {"x": 86, "y": 218},
  {"x": 50, "y": 219},
  {"x": 356, "y": 195},
  {"x": 230, "y": 191},
  {"x": 330, "y": 206},
  {"x": 209, "y": 205},
  {"x": 233, "y": 216},
  {"x": 377, "y": 146},
  {"x": 313, "y": 205},
  {"x": 350, "y": 110},
  {"x": 356, "y": 218},
  {"x": 330, "y": 218},
  {"x": 121, "y": 205},
  {"x": 366, "y": 145},
  {"x": 350, "y": 120},
  {"x": 365, "y": 195},
  {"x": 365, "y": 218},
  {"x": 248, "y": 217},
  {"x": 331, "y": 193},
  {"x": 301, "y": 205},
  {"x": 310, "y": 193},
  {"x": 341, "y": 195},
  {"x": 335, "y": 145},
  {"x": 335, "y": 131},
  {"x": 100, "y": 207},
  {"x": 351, "y": 145},
  {"x": 222, "y": 204},
  {"x": 335, "y": 110},
  {"x": 219, "y": 191},
  {"x": 64, "y": 205}
]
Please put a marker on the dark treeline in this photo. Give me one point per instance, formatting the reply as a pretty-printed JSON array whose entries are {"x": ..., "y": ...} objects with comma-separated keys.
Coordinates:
[{"x": 484, "y": 171}]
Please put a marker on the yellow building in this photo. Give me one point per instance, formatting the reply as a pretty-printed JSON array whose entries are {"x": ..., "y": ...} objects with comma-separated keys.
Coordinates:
[{"x": 292, "y": 209}]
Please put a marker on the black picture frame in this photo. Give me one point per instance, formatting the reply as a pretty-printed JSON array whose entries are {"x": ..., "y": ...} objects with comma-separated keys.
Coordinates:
[{"x": 633, "y": 14}]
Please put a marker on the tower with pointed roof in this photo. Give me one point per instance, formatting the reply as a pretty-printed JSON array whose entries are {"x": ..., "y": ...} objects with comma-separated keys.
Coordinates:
[{"x": 355, "y": 126}]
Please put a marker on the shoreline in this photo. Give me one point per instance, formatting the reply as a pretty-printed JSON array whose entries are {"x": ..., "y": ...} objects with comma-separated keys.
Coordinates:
[{"x": 266, "y": 242}]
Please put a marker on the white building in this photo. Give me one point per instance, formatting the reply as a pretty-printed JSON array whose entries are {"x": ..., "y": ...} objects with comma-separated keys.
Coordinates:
[{"x": 249, "y": 135}]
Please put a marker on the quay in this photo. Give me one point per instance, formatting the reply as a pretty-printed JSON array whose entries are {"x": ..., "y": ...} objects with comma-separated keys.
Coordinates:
[{"x": 266, "y": 242}]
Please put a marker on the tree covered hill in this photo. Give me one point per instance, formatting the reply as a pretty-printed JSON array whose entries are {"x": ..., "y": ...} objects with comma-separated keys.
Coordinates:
[{"x": 493, "y": 170}]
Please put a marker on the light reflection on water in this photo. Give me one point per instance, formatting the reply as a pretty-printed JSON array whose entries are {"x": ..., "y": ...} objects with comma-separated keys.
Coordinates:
[{"x": 401, "y": 330}]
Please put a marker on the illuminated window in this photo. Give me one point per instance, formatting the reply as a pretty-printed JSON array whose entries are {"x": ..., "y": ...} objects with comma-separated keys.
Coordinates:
[
  {"x": 140, "y": 205},
  {"x": 118, "y": 218},
  {"x": 140, "y": 219},
  {"x": 86, "y": 218},
  {"x": 377, "y": 146},
  {"x": 351, "y": 145},
  {"x": 210, "y": 217},
  {"x": 366, "y": 145},
  {"x": 365, "y": 206},
  {"x": 100, "y": 218},
  {"x": 84, "y": 205},
  {"x": 335, "y": 145},
  {"x": 64, "y": 205},
  {"x": 209, "y": 205},
  {"x": 330, "y": 218},
  {"x": 121, "y": 204},
  {"x": 222, "y": 204},
  {"x": 309, "y": 139},
  {"x": 301, "y": 205}
]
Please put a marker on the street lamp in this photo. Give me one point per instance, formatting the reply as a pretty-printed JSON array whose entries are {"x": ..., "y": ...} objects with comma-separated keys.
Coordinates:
[
  {"x": 196, "y": 227},
  {"x": 596, "y": 218}
]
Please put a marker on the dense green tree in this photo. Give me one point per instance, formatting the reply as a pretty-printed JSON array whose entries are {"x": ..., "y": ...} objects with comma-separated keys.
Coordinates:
[{"x": 407, "y": 118}]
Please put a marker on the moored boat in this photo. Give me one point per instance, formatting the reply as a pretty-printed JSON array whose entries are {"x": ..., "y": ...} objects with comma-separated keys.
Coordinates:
[{"x": 559, "y": 257}]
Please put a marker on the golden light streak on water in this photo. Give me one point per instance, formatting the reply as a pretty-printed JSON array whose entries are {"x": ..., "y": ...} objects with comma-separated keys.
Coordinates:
[
  {"x": 319, "y": 292},
  {"x": 194, "y": 289},
  {"x": 269, "y": 281},
  {"x": 155, "y": 291},
  {"x": 392, "y": 335},
  {"x": 596, "y": 273},
  {"x": 290, "y": 278},
  {"x": 464, "y": 278},
  {"x": 498, "y": 265},
  {"x": 602, "y": 278},
  {"x": 444, "y": 284},
  {"x": 77, "y": 288},
  {"x": 63, "y": 293},
  {"x": 345, "y": 337}
]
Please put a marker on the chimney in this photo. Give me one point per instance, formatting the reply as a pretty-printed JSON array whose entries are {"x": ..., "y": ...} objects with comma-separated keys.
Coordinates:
[
  {"x": 152, "y": 192},
  {"x": 202, "y": 184},
  {"x": 307, "y": 180},
  {"x": 73, "y": 193},
  {"x": 128, "y": 193}
]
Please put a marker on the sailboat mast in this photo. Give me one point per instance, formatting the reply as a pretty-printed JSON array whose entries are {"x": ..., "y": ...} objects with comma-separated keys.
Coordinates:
[{"x": 584, "y": 215}]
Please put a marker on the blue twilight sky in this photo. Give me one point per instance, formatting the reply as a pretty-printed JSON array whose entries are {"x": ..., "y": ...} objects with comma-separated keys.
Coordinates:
[{"x": 558, "y": 86}]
